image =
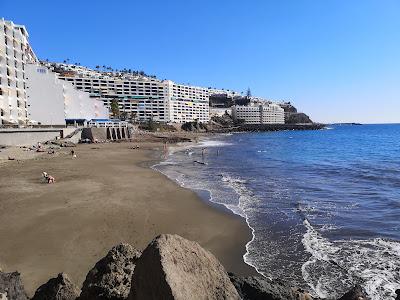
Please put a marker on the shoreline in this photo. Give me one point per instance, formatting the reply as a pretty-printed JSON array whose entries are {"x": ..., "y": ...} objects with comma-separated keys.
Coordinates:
[
  {"x": 208, "y": 198},
  {"x": 76, "y": 213}
]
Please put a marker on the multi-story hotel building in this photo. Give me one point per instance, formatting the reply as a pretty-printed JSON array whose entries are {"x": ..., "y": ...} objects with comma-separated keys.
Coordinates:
[
  {"x": 140, "y": 97},
  {"x": 187, "y": 103},
  {"x": 259, "y": 113},
  {"x": 15, "y": 52}
]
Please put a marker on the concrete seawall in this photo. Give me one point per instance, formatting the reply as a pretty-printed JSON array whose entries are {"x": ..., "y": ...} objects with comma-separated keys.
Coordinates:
[
  {"x": 109, "y": 133},
  {"x": 30, "y": 136}
]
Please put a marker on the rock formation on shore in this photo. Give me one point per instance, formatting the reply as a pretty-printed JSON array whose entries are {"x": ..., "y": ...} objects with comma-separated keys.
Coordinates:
[
  {"x": 356, "y": 293},
  {"x": 59, "y": 288},
  {"x": 111, "y": 277},
  {"x": 260, "y": 288},
  {"x": 11, "y": 286},
  {"x": 170, "y": 267}
]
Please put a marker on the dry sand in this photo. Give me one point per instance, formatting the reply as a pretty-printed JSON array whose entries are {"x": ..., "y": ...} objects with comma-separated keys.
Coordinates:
[{"x": 103, "y": 197}]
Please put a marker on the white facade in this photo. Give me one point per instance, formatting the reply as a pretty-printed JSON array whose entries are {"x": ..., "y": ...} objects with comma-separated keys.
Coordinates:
[
  {"x": 142, "y": 98},
  {"x": 51, "y": 101},
  {"x": 139, "y": 99},
  {"x": 256, "y": 113},
  {"x": 45, "y": 96},
  {"x": 15, "y": 52},
  {"x": 187, "y": 103}
]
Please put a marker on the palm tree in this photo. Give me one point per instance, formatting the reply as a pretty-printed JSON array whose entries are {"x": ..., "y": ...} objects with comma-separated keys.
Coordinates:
[{"x": 114, "y": 108}]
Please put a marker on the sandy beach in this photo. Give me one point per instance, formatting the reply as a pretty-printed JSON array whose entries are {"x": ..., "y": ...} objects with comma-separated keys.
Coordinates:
[{"x": 105, "y": 196}]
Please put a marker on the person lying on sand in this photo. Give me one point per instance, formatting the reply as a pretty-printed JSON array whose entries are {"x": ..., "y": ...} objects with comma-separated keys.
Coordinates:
[{"x": 48, "y": 178}]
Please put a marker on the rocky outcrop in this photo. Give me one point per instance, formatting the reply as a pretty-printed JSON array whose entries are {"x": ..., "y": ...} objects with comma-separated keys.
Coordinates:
[
  {"x": 59, "y": 288},
  {"x": 356, "y": 293},
  {"x": 260, "y": 288},
  {"x": 194, "y": 127},
  {"x": 172, "y": 267},
  {"x": 111, "y": 277},
  {"x": 11, "y": 286},
  {"x": 298, "y": 118}
]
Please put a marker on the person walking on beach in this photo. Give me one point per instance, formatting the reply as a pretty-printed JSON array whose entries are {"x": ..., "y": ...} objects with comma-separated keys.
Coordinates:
[{"x": 203, "y": 151}]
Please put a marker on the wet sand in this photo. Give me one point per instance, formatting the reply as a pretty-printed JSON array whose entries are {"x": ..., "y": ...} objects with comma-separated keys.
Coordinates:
[{"x": 103, "y": 197}]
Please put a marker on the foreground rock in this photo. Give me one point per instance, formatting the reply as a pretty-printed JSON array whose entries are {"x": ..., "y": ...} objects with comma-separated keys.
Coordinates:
[
  {"x": 356, "y": 293},
  {"x": 11, "y": 286},
  {"x": 260, "y": 288},
  {"x": 59, "y": 288},
  {"x": 111, "y": 277},
  {"x": 398, "y": 294},
  {"x": 172, "y": 267}
]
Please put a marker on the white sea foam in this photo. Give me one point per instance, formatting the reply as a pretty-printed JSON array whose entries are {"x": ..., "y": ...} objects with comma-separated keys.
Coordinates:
[
  {"x": 211, "y": 143},
  {"x": 245, "y": 196},
  {"x": 338, "y": 265}
]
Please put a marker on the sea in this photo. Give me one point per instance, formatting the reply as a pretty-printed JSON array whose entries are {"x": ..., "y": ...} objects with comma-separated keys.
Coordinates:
[{"x": 323, "y": 206}]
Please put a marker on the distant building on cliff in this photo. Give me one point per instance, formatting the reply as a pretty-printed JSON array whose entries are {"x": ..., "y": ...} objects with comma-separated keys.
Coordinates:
[
  {"x": 15, "y": 53},
  {"x": 259, "y": 113}
]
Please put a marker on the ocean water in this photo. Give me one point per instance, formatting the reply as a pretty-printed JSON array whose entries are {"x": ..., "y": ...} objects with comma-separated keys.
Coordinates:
[{"x": 324, "y": 206}]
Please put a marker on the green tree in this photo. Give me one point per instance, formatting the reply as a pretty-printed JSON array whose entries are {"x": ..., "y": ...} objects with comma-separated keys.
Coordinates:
[{"x": 115, "y": 108}]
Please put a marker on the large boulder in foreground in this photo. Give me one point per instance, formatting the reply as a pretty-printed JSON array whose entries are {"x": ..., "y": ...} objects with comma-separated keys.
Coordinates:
[
  {"x": 260, "y": 288},
  {"x": 172, "y": 267},
  {"x": 11, "y": 286},
  {"x": 356, "y": 293},
  {"x": 398, "y": 294},
  {"x": 111, "y": 277},
  {"x": 59, "y": 288}
]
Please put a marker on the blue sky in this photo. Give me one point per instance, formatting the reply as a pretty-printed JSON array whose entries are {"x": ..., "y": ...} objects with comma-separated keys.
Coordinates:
[{"x": 336, "y": 60}]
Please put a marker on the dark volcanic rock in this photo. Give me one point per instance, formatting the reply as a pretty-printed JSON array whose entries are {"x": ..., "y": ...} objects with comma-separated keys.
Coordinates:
[
  {"x": 111, "y": 277},
  {"x": 172, "y": 267},
  {"x": 11, "y": 284},
  {"x": 356, "y": 293},
  {"x": 398, "y": 294},
  {"x": 298, "y": 118},
  {"x": 59, "y": 288},
  {"x": 260, "y": 288}
]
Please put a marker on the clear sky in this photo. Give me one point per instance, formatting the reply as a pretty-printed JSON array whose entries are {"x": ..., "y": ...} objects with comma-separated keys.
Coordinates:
[{"x": 337, "y": 60}]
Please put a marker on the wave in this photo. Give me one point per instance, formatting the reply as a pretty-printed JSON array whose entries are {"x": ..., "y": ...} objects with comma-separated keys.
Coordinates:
[
  {"x": 336, "y": 266},
  {"x": 211, "y": 143},
  {"x": 245, "y": 195}
]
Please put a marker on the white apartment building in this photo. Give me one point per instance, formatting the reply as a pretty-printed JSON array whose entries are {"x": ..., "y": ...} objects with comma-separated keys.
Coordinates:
[
  {"x": 52, "y": 101},
  {"x": 139, "y": 99},
  {"x": 257, "y": 113},
  {"x": 143, "y": 98},
  {"x": 187, "y": 103},
  {"x": 15, "y": 52}
]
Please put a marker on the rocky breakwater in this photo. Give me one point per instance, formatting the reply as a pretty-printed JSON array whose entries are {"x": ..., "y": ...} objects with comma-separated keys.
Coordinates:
[{"x": 171, "y": 267}]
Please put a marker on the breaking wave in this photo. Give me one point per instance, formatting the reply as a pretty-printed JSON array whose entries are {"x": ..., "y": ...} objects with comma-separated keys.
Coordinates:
[{"x": 334, "y": 267}]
